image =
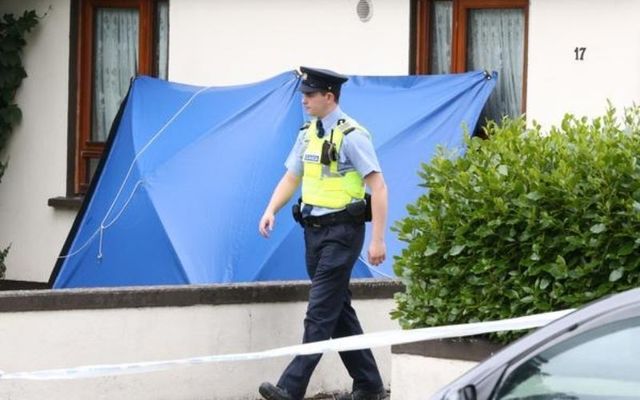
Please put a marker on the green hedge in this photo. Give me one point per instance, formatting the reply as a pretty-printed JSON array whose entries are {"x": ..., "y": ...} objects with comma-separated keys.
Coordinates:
[{"x": 523, "y": 222}]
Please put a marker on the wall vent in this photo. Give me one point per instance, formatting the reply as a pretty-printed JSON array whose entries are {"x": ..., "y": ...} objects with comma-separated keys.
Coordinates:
[{"x": 364, "y": 10}]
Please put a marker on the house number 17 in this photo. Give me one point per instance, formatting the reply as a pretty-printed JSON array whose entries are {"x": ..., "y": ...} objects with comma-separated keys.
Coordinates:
[{"x": 580, "y": 53}]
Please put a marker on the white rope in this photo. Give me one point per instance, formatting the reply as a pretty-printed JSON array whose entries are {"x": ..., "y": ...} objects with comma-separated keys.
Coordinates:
[
  {"x": 374, "y": 269},
  {"x": 83, "y": 246},
  {"x": 146, "y": 146},
  {"x": 100, "y": 244},
  {"x": 102, "y": 227},
  {"x": 113, "y": 221}
]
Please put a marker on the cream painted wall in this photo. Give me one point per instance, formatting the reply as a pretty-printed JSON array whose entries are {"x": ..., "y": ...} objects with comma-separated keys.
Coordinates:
[
  {"x": 240, "y": 41},
  {"x": 557, "y": 83},
  {"x": 37, "y": 149},
  {"x": 89, "y": 337}
]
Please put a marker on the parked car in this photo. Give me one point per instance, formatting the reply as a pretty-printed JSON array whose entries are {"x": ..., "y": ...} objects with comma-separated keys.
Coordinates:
[{"x": 592, "y": 353}]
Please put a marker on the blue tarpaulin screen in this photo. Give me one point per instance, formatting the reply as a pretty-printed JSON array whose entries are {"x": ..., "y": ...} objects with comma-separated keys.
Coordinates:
[{"x": 189, "y": 170}]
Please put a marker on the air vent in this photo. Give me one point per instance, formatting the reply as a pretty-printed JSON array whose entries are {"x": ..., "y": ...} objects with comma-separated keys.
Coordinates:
[{"x": 365, "y": 10}]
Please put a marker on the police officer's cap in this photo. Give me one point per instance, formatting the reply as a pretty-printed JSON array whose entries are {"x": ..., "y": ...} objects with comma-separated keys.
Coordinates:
[{"x": 315, "y": 80}]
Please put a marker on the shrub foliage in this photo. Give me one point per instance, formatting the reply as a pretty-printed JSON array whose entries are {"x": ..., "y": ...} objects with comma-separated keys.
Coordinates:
[{"x": 523, "y": 222}]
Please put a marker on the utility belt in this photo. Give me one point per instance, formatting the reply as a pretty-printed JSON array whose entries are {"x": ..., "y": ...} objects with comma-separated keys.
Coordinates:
[{"x": 357, "y": 212}]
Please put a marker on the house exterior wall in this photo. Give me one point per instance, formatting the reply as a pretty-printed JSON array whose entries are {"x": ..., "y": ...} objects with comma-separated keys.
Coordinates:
[
  {"x": 37, "y": 150},
  {"x": 230, "y": 41},
  {"x": 233, "y": 42},
  {"x": 557, "y": 83}
]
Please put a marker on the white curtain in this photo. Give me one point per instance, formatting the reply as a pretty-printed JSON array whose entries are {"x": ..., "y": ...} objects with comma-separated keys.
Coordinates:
[
  {"x": 496, "y": 43},
  {"x": 163, "y": 39},
  {"x": 441, "y": 16},
  {"x": 115, "y": 63}
]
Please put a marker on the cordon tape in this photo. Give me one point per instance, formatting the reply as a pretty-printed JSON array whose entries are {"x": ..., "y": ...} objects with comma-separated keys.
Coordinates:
[{"x": 356, "y": 342}]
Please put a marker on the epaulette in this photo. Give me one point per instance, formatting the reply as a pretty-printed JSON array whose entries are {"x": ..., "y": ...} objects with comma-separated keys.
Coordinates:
[
  {"x": 305, "y": 126},
  {"x": 345, "y": 126}
]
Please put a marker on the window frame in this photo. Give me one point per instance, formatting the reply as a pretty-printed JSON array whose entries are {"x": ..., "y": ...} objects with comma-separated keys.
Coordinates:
[
  {"x": 421, "y": 31},
  {"x": 81, "y": 147}
]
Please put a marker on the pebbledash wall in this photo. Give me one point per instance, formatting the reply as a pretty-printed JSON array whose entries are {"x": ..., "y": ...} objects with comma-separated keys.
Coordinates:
[
  {"x": 239, "y": 41},
  {"x": 70, "y": 328}
]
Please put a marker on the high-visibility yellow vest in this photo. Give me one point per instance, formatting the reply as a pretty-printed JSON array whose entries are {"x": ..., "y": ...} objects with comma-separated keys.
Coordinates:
[{"x": 323, "y": 185}]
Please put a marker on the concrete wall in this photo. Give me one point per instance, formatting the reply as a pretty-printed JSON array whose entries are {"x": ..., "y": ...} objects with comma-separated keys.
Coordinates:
[
  {"x": 420, "y": 369},
  {"x": 73, "y": 337},
  {"x": 417, "y": 378},
  {"x": 37, "y": 151}
]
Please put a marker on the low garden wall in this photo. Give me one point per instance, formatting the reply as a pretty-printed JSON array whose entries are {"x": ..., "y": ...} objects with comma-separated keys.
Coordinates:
[{"x": 49, "y": 329}]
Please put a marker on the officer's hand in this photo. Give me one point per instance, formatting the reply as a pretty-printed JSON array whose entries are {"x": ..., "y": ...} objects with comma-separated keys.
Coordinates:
[
  {"x": 267, "y": 222},
  {"x": 377, "y": 252}
]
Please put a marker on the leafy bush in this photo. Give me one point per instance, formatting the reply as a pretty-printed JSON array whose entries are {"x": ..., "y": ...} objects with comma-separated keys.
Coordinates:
[
  {"x": 12, "y": 41},
  {"x": 524, "y": 222}
]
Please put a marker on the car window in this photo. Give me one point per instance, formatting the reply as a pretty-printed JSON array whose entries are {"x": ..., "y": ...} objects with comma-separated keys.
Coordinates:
[{"x": 602, "y": 363}]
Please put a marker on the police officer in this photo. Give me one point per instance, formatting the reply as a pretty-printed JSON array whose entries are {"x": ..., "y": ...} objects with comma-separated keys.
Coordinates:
[{"x": 334, "y": 158}]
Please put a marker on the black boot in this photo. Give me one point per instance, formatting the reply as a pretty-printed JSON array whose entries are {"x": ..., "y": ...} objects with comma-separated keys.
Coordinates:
[
  {"x": 271, "y": 392},
  {"x": 362, "y": 395}
]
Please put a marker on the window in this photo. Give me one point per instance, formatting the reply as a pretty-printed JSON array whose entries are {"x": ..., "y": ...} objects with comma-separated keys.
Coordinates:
[
  {"x": 602, "y": 363},
  {"x": 117, "y": 39},
  {"x": 454, "y": 36}
]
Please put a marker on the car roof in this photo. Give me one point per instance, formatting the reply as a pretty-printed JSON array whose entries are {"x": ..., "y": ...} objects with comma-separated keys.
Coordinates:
[{"x": 566, "y": 323}]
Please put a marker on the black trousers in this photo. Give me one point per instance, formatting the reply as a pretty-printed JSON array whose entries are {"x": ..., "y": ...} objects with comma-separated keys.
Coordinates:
[{"x": 331, "y": 252}]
